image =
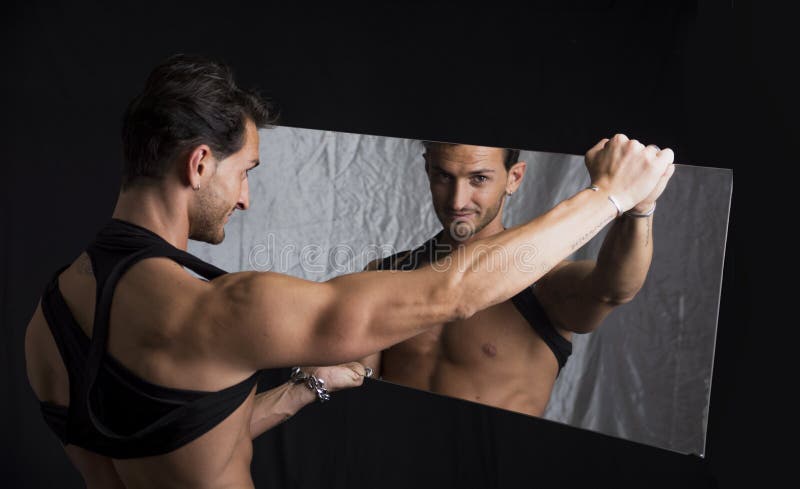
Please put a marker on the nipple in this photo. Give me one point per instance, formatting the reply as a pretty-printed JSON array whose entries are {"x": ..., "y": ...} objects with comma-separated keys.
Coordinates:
[{"x": 489, "y": 349}]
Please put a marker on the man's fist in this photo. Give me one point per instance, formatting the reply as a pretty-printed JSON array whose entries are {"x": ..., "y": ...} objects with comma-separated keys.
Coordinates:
[
  {"x": 338, "y": 377},
  {"x": 629, "y": 170},
  {"x": 647, "y": 204}
]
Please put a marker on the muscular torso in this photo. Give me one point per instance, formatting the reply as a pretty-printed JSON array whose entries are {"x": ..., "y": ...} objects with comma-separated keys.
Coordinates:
[
  {"x": 494, "y": 357},
  {"x": 149, "y": 335}
]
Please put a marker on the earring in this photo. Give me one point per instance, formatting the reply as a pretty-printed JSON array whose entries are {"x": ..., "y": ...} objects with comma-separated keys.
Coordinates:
[
  {"x": 509, "y": 193},
  {"x": 196, "y": 187}
]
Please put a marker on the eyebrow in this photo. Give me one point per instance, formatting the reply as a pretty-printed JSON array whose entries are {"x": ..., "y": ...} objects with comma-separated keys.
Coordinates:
[{"x": 475, "y": 172}]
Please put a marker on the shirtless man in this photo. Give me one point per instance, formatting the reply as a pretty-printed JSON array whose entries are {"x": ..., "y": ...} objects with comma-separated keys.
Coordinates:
[
  {"x": 148, "y": 374},
  {"x": 509, "y": 355}
]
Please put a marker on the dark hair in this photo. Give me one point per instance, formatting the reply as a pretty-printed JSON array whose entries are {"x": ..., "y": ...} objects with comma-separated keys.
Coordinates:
[
  {"x": 187, "y": 100},
  {"x": 512, "y": 155}
]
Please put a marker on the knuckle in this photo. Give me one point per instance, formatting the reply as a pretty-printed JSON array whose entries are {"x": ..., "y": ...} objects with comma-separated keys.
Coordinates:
[{"x": 634, "y": 144}]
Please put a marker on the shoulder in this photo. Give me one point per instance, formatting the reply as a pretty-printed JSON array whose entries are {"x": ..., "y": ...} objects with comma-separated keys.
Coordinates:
[{"x": 161, "y": 277}]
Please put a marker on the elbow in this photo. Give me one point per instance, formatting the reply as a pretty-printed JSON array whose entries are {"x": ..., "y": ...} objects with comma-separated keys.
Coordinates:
[
  {"x": 467, "y": 294},
  {"x": 618, "y": 298},
  {"x": 462, "y": 311},
  {"x": 460, "y": 301},
  {"x": 617, "y": 301}
]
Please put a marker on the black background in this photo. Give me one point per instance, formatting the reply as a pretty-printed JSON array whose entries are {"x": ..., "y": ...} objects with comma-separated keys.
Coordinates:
[{"x": 711, "y": 80}]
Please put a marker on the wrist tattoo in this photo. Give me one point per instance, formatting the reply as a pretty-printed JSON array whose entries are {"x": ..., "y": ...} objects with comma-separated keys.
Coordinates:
[{"x": 587, "y": 236}]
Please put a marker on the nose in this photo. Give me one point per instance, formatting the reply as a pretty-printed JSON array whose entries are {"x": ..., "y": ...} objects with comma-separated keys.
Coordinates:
[
  {"x": 460, "y": 195},
  {"x": 244, "y": 196}
]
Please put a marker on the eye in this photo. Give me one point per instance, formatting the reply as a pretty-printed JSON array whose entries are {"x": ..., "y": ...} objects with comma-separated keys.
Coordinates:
[
  {"x": 479, "y": 179},
  {"x": 444, "y": 177}
]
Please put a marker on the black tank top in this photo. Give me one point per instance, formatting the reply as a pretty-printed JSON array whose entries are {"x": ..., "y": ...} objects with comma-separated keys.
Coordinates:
[
  {"x": 112, "y": 411},
  {"x": 525, "y": 302}
]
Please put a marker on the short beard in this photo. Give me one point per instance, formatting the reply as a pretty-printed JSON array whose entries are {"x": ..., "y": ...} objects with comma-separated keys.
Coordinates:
[
  {"x": 208, "y": 222},
  {"x": 462, "y": 231}
]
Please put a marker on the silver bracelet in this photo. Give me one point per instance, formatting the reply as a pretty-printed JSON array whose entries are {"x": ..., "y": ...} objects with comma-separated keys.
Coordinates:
[
  {"x": 642, "y": 214},
  {"x": 313, "y": 383},
  {"x": 610, "y": 197}
]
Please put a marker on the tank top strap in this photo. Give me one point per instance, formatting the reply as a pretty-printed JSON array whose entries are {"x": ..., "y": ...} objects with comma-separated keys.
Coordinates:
[{"x": 116, "y": 248}]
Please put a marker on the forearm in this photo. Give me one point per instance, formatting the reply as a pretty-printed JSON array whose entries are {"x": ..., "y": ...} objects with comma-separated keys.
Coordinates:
[
  {"x": 373, "y": 362},
  {"x": 623, "y": 261},
  {"x": 277, "y": 405},
  {"x": 532, "y": 249}
]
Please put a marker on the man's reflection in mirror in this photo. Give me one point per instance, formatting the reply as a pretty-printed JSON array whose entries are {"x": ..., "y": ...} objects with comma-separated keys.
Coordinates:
[{"x": 510, "y": 354}]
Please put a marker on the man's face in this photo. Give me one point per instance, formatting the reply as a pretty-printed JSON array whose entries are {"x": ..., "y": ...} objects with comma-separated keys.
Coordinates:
[
  {"x": 468, "y": 185},
  {"x": 226, "y": 191}
]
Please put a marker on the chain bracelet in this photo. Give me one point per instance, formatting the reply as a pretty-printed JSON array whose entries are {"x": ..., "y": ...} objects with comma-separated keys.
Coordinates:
[{"x": 312, "y": 382}]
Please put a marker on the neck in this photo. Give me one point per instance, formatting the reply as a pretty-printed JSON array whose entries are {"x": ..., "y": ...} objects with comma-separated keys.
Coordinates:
[{"x": 158, "y": 209}]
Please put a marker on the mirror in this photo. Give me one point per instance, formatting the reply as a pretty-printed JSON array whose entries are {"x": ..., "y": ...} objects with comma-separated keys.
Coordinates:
[{"x": 324, "y": 204}]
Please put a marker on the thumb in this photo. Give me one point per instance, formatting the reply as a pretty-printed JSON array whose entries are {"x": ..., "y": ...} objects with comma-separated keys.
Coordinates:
[
  {"x": 357, "y": 368},
  {"x": 662, "y": 182}
]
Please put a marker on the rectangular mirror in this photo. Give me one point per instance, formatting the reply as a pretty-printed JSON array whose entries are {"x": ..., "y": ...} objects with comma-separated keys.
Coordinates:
[{"x": 323, "y": 204}]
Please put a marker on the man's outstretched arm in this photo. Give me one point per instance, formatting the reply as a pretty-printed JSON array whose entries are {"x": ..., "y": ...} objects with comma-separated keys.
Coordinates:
[
  {"x": 261, "y": 320},
  {"x": 579, "y": 295}
]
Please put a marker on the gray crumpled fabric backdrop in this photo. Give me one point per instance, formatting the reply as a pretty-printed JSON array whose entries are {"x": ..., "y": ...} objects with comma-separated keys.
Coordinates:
[{"x": 325, "y": 203}]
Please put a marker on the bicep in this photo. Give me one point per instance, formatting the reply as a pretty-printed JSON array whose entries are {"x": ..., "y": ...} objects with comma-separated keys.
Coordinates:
[
  {"x": 266, "y": 320},
  {"x": 565, "y": 292},
  {"x": 270, "y": 320}
]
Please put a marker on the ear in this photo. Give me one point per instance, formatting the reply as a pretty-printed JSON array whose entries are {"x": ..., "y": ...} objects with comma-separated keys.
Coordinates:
[
  {"x": 199, "y": 165},
  {"x": 515, "y": 175}
]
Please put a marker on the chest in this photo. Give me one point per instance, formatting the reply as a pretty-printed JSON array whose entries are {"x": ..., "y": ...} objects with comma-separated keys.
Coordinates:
[{"x": 496, "y": 335}]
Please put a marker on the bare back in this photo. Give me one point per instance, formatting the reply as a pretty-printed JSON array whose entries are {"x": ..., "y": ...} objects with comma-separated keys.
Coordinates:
[
  {"x": 494, "y": 357},
  {"x": 151, "y": 336}
]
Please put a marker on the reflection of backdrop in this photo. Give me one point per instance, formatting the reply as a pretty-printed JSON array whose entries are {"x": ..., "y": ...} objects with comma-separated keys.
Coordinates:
[{"x": 322, "y": 201}]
